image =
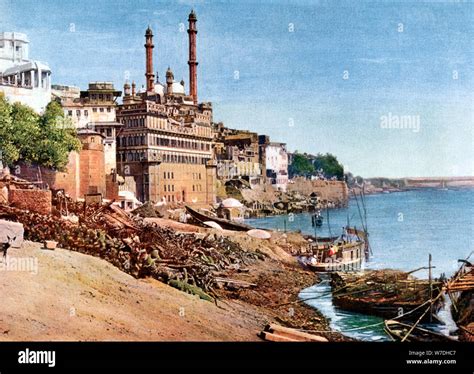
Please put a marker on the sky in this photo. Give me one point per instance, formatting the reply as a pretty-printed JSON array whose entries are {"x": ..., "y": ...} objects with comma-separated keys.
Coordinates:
[{"x": 386, "y": 86}]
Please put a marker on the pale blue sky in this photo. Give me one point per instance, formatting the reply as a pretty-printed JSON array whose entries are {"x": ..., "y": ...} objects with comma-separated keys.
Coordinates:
[{"x": 400, "y": 57}]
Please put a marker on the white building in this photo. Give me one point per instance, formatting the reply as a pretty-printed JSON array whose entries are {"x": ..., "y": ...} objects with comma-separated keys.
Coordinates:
[
  {"x": 276, "y": 163},
  {"x": 21, "y": 79}
]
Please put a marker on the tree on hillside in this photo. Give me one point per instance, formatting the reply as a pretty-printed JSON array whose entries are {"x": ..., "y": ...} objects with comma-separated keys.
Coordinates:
[
  {"x": 26, "y": 136},
  {"x": 330, "y": 166},
  {"x": 300, "y": 166}
]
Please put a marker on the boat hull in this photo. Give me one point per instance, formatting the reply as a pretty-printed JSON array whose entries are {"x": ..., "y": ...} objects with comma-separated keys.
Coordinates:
[
  {"x": 398, "y": 331},
  {"x": 353, "y": 265},
  {"x": 225, "y": 224}
]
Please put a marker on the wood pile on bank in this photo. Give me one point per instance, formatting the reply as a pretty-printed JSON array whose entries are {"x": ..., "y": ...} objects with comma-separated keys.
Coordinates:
[
  {"x": 276, "y": 333},
  {"x": 386, "y": 293},
  {"x": 192, "y": 263},
  {"x": 460, "y": 289}
]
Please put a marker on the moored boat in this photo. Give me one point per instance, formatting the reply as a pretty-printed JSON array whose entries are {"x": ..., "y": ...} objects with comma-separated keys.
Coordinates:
[
  {"x": 386, "y": 293},
  {"x": 399, "y": 332},
  {"x": 343, "y": 253},
  {"x": 317, "y": 219},
  {"x": 224, "y": 223}
]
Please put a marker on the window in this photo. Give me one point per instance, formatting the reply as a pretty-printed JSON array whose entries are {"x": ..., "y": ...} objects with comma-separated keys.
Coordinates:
[
  {"x": 78, "y": 113},
  {"x": 101, "y": 110},
  {"x": 94, "y": 110},
  {"x": 69, "y": 112},
  {"x": 86, "y": 113},
  {"x": 108, "y": 110},
  {"x": 164, "y": 175}
]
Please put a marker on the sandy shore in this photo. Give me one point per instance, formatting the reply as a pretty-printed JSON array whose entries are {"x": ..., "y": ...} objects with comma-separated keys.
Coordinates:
[{"x": 71, "y": 296}]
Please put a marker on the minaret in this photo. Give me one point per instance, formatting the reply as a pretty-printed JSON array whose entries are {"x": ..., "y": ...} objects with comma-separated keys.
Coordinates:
[
  {"x": 126, "y": 89},
  {"x": 150, "y": 76},
  {"x": 169, "y": 81},
  {"x": 192, "y": 31},
  {"x": 134, "y": 91}
]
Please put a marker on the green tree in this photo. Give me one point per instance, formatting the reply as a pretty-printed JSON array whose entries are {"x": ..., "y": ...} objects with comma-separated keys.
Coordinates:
[
  {"x": 24, "y": 131},
  {"x": 300, "y": 166},
  {"x": 26, "y": 136},
  {"x": 57, "y": 139},
  {"x": 9, "y": 153},
  {"x": 330, "y": 166}
]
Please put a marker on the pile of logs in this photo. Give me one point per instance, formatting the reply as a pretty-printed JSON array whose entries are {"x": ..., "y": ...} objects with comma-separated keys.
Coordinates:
[
  {"x": 460, "y": 289},
  {"x": 192, "y": 263},
  {"x": 385, "y": 293},
  {"x": 277, "y": 333}
]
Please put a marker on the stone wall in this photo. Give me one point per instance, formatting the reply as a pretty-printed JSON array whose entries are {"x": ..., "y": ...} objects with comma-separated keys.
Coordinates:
[
  {"x": 92, "y": 165},
  {"x": 38, "y": 201},
  {"x": 331, "y": 191}
]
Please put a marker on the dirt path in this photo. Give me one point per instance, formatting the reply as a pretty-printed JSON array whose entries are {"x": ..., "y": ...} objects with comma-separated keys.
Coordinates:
[{"x": 78, "y": 297}]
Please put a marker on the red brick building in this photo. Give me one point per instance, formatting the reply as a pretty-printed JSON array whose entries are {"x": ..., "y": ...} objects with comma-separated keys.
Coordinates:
[{"x": 84, "y": 174}]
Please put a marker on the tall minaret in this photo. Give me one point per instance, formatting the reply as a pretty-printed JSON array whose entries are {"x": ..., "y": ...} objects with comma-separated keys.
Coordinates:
[
  {"x": 169, "y": 81},
  {"x": 150, "y": 76},
  {"x": 192, "y": 31}
]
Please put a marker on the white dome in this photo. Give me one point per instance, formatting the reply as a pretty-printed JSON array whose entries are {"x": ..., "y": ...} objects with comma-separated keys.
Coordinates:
[
  {"x": 178, "y": 88},
  {"x": 259, "y": 234},
  {"x": 231, "y": 203},
  {"x": 159, "y": 89}
]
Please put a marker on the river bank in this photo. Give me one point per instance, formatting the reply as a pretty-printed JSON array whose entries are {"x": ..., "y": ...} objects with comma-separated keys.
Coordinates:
[
  {"x": 405, "y": 228},
  {"x": 79, "y": 296}
]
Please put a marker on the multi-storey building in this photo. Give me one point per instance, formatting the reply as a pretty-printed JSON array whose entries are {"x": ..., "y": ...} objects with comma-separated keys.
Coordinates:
[
  {"x": 94, "y": 109},
  {"x": 274, "y": 157},
  {"x": 21, "y": 79},
  {"x": 237, "y": 155},
  {"x": 166, "y": 140}
]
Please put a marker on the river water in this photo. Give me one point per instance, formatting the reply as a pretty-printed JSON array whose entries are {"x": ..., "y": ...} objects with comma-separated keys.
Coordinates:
[{"x": 404, "y": 228}]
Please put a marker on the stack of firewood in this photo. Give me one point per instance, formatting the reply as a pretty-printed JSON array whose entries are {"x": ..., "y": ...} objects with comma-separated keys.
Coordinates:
[{"x": 193, "y": 263}]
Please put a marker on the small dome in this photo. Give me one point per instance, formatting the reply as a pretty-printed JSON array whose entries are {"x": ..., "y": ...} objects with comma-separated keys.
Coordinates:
[
  {"x": 178, "y": 88},
  {"x": 259, "y": 234},
  {"x": 231, "y": 203},
  {"x": 159, "y": 89}
]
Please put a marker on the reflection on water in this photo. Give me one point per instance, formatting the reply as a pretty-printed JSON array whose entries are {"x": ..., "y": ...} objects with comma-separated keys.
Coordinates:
[
  {"x": 348, "y": 323},
  {"x": 404, "y": 229}
]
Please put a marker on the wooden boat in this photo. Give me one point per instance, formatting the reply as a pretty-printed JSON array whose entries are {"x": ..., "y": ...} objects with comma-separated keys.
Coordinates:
[
  {"x": 398, "y": 331},
  {"x": 336, "y": 253},
  {"x": 384, "y": 293},
  {"x": 317, "y": 219},
  {"x": 224, "y": 223},
  {"x": 349, "y": 257}
]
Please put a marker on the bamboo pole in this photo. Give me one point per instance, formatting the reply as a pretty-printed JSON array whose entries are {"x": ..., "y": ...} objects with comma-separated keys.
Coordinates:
[
  {"x": 431, "y": 287},
  {"x": 421, "y": 317}
]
